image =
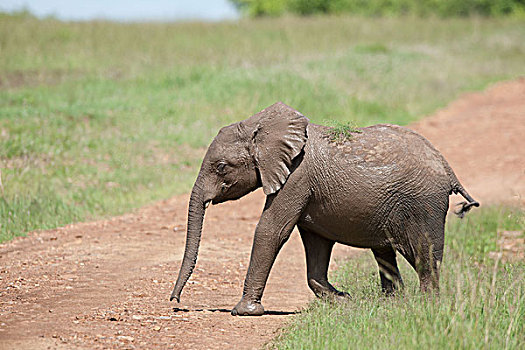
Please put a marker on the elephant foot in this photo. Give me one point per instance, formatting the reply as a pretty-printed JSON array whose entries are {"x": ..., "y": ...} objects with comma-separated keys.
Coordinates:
[
  {"x": 340, "y": 296},
  {"x": 392, "y": 291},
  {"x": 248, "y": 308},
  {"x": 327, "y": 291},
  {"x": 336, "y": 297}
]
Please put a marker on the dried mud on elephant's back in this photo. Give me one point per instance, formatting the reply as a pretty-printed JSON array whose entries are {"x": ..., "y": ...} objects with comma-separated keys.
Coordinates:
[{"x": 106, "y": 284}]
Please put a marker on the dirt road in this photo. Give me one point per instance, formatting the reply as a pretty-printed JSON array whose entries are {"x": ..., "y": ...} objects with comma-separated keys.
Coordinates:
[
  {"x": 482, "y": 135},
  {"x": 106, "y": 284}
]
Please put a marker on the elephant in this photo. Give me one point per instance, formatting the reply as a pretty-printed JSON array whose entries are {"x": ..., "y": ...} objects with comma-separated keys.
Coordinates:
[{"x": 384, "y": 187}]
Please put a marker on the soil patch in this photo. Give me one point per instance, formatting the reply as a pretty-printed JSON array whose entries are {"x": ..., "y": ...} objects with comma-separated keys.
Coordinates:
[{"x": 482, "y": 135}]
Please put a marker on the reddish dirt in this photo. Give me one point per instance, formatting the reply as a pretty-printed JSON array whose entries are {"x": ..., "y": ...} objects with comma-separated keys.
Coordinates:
[
  {"x": 106, "y": 284},
  {"x": 482, "y": 135}
]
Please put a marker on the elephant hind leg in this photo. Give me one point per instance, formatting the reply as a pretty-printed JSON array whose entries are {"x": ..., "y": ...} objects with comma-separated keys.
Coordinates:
[
  {"x": 427, "y": 268},
  {"x": 318, "y": 251},
  {"x": 388, "y": 270},
  {"x": 426, "y": 261}
]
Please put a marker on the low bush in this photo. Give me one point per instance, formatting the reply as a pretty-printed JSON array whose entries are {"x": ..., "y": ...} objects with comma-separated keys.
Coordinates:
[{"x": 443, "y": 8}]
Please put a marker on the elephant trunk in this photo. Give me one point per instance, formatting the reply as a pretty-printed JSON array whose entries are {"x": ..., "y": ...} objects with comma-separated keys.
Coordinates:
[{"x": 196, "y": 210}]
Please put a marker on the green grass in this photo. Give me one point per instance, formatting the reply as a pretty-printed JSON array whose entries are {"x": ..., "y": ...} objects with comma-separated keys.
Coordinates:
[
  {"x": 481, "y": 304},
  {"x": 340, "y": 131},
  {"x": 99, "y": 118}
]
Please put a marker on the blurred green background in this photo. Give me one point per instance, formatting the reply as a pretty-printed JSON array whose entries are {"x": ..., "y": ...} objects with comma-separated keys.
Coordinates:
[{"x": 443, "y": 8}]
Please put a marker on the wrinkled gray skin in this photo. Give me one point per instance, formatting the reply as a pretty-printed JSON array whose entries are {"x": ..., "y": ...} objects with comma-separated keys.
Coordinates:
[{"x": 385, "y": 188}]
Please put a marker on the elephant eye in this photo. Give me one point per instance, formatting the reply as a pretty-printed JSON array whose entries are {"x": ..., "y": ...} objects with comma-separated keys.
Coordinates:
[{"x": 221, "y": 167}]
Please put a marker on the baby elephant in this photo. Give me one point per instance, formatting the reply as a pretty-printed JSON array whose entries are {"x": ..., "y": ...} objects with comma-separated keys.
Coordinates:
[{"x": 382, "y": 187}]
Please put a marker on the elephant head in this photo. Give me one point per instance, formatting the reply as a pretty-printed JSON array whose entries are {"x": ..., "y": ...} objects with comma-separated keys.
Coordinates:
[{"x": 244, "y": 156}]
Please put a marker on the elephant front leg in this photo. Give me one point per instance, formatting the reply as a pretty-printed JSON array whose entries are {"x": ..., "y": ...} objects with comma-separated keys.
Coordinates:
[
  {"x": 264, "y": 252},
  {"x": 318, "y": 251},
  {"x": 270, "y": 235}
]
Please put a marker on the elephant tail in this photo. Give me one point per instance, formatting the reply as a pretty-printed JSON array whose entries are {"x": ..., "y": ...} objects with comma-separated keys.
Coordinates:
[
  {"x": 457, "y": 188},
  {"x": 464, "y": 207}
]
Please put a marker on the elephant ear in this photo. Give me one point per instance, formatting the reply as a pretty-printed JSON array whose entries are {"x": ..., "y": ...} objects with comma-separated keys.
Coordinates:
[{"x": 279, "y": 137}]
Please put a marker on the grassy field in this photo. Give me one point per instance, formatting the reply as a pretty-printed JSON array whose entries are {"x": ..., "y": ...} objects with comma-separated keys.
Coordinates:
[
  {"x": 99, "y": 118},
  {"x": 481, "y": 305}
]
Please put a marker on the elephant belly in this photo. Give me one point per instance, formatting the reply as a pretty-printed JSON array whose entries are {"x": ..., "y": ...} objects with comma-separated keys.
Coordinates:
[
  {"x": 354, "y": 230},
  {"x": 360, "y": 222}
]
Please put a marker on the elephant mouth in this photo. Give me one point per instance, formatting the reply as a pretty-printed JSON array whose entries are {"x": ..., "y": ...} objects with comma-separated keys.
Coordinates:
[
  {"x": 218, "y": 201},
  {"x": 226, "y": 193}
]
